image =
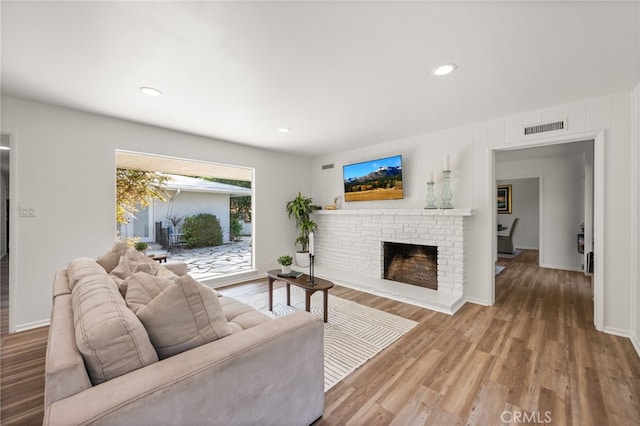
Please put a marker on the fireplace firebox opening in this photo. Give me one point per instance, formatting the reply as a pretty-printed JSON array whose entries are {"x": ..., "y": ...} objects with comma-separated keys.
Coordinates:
[{"x": 411, "y": 264}]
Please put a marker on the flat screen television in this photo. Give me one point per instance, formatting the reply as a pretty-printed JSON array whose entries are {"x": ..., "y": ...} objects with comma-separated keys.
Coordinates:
[{"x": 379, "y": 179}]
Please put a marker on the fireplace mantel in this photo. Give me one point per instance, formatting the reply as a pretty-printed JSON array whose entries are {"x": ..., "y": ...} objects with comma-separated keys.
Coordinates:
[
  {"x": 399, "y": 212},
  {"x": 348, "y": 250}
]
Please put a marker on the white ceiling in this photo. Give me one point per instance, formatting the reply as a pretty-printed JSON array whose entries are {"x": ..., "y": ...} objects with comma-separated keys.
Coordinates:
[{"x": 339, "y": 74}]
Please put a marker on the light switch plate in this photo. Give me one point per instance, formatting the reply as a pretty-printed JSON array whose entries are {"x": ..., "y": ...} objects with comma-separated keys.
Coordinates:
[{"x": 27, "y": 211}]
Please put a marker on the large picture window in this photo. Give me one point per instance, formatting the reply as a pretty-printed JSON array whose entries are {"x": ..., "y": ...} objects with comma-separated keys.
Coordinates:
[{"x": 186, "y": 210}]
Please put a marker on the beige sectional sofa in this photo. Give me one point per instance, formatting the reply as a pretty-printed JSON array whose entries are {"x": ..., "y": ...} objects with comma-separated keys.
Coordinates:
[{"x": 132, "y": 342}]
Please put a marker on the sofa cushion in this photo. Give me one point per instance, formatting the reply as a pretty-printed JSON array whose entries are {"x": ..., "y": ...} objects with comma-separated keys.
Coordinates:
[
  {"x": 241, "y": 316},
  {"x": 82, "y": 267},
  {"x": 110, "y": 259},
  {"x": 110, "y": 337},
  {"x": 184, "y": 315}
]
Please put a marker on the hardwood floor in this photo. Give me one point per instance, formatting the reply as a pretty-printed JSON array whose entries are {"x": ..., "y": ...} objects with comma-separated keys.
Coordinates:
[
  {"x": 21, "y": 366},
  {"x": 533, "y": 357}
]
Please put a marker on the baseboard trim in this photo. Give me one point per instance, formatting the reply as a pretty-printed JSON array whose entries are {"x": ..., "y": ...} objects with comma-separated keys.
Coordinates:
[
  {"x": 617, "y": 332},
  {"x": 636, "y": 343},
  {"x": 32, "y": 325},
  {"x": 562, "y": 268},
  {"x": 459, "y": 304},
  {"x": 477, "y": 301}
]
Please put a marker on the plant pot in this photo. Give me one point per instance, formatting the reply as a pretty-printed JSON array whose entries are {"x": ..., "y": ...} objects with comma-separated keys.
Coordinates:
[
  {"x": 302, "y": 259},
  {"x": 286, "y": 269}
]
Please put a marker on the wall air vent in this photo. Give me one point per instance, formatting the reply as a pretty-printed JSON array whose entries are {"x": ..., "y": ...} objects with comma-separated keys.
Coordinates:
[
  {"x": 327, "y": 166},
  {"x": 547, "y": 127}
]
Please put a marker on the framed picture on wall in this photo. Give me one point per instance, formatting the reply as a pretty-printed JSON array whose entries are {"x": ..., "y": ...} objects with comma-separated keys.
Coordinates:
[{"x": 504, "y": 199}]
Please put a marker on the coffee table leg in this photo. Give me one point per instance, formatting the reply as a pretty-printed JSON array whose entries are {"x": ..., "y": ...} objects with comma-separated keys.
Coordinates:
[
  {"x": 326, "y": 305},
  {"x": 288, "y": 294},
  {"x": 307, "y": 300},
  {"x": 271, "y": 294}
]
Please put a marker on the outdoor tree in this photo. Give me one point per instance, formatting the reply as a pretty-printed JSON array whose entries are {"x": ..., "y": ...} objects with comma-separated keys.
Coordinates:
[{"x": 136, "y": 189}]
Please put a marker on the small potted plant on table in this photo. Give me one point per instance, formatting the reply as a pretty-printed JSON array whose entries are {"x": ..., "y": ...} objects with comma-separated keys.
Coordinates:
[{"x": 285, "y": 261}]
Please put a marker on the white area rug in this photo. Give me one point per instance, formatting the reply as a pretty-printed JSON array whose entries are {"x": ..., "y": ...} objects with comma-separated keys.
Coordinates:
[
  {"x": 499, "y": 269},
  {"x": 353, "y": 334}
]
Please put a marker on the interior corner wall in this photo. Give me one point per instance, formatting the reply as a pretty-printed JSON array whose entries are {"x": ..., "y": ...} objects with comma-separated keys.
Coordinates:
[
  {"x": 471, "y": 150},
  {"x": 65, "y": 168}
]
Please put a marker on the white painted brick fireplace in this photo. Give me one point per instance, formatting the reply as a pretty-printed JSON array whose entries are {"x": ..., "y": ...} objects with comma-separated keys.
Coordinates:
[{"x": 349, "y": 251}]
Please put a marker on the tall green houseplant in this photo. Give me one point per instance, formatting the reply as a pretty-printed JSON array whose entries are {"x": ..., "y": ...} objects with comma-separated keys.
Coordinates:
[{"x": 300, "y": 209}]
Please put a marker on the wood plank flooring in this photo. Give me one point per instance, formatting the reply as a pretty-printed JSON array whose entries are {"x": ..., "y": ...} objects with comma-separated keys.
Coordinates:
[
  {"x": 533, "y": 357},
  {"x": 21, "y": 365}
]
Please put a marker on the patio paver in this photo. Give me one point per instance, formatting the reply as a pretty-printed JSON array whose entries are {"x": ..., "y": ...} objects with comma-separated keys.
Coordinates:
[{"x": 211, "y": 262}]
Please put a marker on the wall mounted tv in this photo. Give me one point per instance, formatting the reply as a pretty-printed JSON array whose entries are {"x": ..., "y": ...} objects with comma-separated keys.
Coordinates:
[{"x": 379, "y": 179}]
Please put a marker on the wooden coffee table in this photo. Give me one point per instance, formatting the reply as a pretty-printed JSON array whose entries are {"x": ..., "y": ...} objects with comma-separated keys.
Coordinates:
[{"x": 301, "y": 281}]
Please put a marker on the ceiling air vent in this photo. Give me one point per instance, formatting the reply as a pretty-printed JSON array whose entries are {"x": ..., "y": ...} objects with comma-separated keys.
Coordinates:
[{"x": 547, "y": 127}]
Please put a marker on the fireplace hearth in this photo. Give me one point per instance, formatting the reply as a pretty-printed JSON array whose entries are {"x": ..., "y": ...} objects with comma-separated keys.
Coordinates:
[{"x": 411, "y": 264}]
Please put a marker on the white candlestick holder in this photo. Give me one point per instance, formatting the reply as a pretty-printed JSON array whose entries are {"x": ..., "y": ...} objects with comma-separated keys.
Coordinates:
[
  {"x": 446, "y": 190},
  {"x": 431, "y": 198}
]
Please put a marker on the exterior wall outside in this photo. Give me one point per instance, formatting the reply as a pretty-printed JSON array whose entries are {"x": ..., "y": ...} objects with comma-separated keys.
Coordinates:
[
  {"x": 247, "y": 228},
  {"x": 192, "y": 203},
  {"x": 471, "y": 149},
  {"x": 84, "y": 144}
]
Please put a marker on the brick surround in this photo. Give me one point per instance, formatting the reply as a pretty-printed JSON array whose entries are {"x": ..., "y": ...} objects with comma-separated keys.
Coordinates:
[{"x": 352, "y": 240}]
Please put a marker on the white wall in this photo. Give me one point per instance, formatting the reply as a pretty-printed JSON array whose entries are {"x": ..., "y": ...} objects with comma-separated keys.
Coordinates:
[
  {"x": 65, "y": 167},
  {"x": 526, "y": 206},
  {"x": 471, "y": 150},
  {"x": 562, "y": 204},
  {"x": 635, "y": 230}
]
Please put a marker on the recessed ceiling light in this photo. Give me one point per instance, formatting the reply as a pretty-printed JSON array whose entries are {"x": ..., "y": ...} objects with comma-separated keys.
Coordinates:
[
  {"x": 150, "y": 91},
  {"x": 444, "y": 69},
  {"x": 284, "y": 130}
]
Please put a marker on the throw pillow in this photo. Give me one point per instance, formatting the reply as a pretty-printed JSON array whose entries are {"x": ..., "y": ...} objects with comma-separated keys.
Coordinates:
[
  {"x": 110, "y": 259},
  {"x": 141, "y": 288},
  {"x": 183, "y": 316},
  {"x": 110, "y": 337},
  {"x": 130, "y": 262}
]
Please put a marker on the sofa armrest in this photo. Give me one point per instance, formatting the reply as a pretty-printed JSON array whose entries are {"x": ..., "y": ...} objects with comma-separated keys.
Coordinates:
[
  {"x": 178, "y": 268},
  {"x": 272, "y": 373},
  {"x": 65, "y": 373}
]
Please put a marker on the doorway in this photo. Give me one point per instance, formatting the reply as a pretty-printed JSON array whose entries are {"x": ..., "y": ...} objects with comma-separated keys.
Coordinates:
[
  {"x": 526, "y": 207},
  {"x": 569, "y": 206},
  {"x": 5, "y": 184}
]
